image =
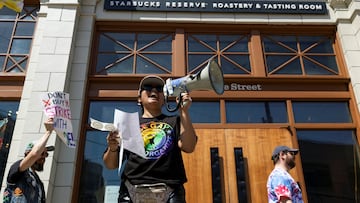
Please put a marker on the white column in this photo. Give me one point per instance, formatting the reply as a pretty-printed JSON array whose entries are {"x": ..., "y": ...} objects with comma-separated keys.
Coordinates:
[{"x": 349, "y": 33}]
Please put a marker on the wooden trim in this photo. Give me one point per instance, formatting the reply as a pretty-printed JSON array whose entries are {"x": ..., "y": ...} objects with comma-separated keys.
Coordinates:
[
  {"x": 222, "y": 112},
  {"x": 239, "y": 125},
  {"x": 299, "y": 168},
  {"x": 271, "y": 88},
  {"x": 179, "y": 62},
  {"x": 339, "y": 56},
  {"x": 93, "y": 52},
  {"x": 214, "y": 28},
  {"x": 257, "y": 59},
  {"x": 80, "y": 149},
  {"x": 354, "y": 112},
  {"x": 333, "y": 126},
  {"x": 11, "y": 86},
  {"x": 291, "y": 128},
  {"x": 250, "y": 96},
  {"x": 31, "y": 2}
]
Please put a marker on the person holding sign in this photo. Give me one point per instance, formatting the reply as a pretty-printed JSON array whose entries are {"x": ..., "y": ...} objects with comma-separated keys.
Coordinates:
[
  {"x": 23, "y": 183},
  {"x": 160, "y": 176}
]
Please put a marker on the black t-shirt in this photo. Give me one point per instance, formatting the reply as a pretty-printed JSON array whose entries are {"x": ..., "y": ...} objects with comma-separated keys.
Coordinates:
[
  {"x": 29, "y": 183},
  {"x": 164, "y": 163}
]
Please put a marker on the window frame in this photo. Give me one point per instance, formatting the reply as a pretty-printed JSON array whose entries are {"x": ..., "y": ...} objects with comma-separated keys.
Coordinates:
[{"x": 18, "y": 65}]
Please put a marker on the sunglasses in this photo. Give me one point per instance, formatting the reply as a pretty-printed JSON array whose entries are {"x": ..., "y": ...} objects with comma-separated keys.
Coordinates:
[
  {"x": 292, "y": 153},
  {"x": 149, "y": 88}
]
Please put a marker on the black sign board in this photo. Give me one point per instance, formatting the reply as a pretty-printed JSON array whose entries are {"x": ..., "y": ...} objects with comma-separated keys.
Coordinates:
[{"x": 223, "y": 6}]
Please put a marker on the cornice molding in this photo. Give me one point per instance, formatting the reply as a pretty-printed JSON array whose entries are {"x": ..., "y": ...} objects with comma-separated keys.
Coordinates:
[{"x": 339, "y": 4}]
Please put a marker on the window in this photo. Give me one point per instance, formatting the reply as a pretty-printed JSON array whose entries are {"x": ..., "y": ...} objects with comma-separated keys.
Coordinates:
[
  {"x": 299, "y": 55},
  {"x": 256, "y": 112},
  {"x": 230, "y": 50},
  {"x": 330, "y": 161},
  {"x": 205, "y": 112},
  {"x": 95, "y": 177},
  {"x": 16, "y": 34},
  {"x": 321, "y": 112},
  {"x": 131, "y": 53},
  {"x": 8, "y": 112},
  {"x": 145, "y": 52}
]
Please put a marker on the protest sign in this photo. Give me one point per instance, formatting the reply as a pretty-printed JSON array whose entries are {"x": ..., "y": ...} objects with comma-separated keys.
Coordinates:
[{"x": 57, "y": 106}]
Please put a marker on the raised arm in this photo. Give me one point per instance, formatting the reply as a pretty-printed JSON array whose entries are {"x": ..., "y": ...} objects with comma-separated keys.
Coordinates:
[
  {"x": 35, "y": 153},
  {"x": 188, "y": 138}
]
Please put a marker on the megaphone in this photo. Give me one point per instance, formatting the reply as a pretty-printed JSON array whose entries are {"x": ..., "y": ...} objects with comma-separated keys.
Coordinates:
[{"x": 209, "y": 78}]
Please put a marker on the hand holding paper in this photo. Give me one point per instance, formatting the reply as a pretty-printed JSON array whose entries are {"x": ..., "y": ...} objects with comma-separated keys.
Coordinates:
[
  {"x": 124, "y": 132},
  {"x": 128, "y": 126},
  {"x": 113, "y": 140}
]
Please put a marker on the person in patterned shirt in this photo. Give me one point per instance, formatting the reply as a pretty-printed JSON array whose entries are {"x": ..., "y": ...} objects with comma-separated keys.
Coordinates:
[{"x": 281, "y": 187}]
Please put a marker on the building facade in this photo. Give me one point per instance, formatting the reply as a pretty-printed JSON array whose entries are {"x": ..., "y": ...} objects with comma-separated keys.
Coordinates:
[{"x": 291, "y": 71}]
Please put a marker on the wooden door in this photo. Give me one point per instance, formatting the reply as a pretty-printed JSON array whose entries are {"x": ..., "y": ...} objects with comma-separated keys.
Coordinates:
[
  {"x": 198, "y": 166},
  {"x": 256, "y": 146}
]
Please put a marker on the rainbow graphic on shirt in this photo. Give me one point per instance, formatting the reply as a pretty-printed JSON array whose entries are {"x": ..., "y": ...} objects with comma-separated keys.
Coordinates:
[{"x": 158, "y": 139}]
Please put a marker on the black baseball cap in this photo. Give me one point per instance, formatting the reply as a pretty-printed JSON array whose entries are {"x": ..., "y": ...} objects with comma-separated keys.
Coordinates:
[
  {"x": 151, "y": 80},
  {"x": 30, "y": 145},
  {"x": 283, "y": 148}
]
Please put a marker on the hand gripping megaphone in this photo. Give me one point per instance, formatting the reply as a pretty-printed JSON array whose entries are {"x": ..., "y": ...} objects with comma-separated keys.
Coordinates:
[{"x": 209, "y": 78}]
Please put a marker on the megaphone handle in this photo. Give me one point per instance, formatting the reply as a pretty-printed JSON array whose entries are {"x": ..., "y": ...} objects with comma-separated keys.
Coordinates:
[
  {"x": 174, "y": 109},
  {"x": 184, "y": 103}
]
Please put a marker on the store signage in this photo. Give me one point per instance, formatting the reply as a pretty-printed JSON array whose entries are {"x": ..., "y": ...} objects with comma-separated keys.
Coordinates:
[
  {"x": 223, "y": 6},
  {"x": 243, "y": 87}
]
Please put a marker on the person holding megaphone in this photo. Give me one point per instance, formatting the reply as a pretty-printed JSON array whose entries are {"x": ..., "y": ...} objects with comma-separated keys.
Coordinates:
[{"x": 159, "y": 177}]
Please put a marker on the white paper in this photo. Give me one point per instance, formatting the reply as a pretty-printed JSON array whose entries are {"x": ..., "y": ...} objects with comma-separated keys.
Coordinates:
[
  {"x": 129, "y": 130},
  {"x": 111, "y": 193},
  {"x": 101, "y": 125}
]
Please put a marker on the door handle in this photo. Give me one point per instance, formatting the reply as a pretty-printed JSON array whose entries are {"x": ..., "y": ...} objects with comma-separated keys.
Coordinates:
[
  {"x": 216, "y": 175},
  {"x": 240, "y": 175}
]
